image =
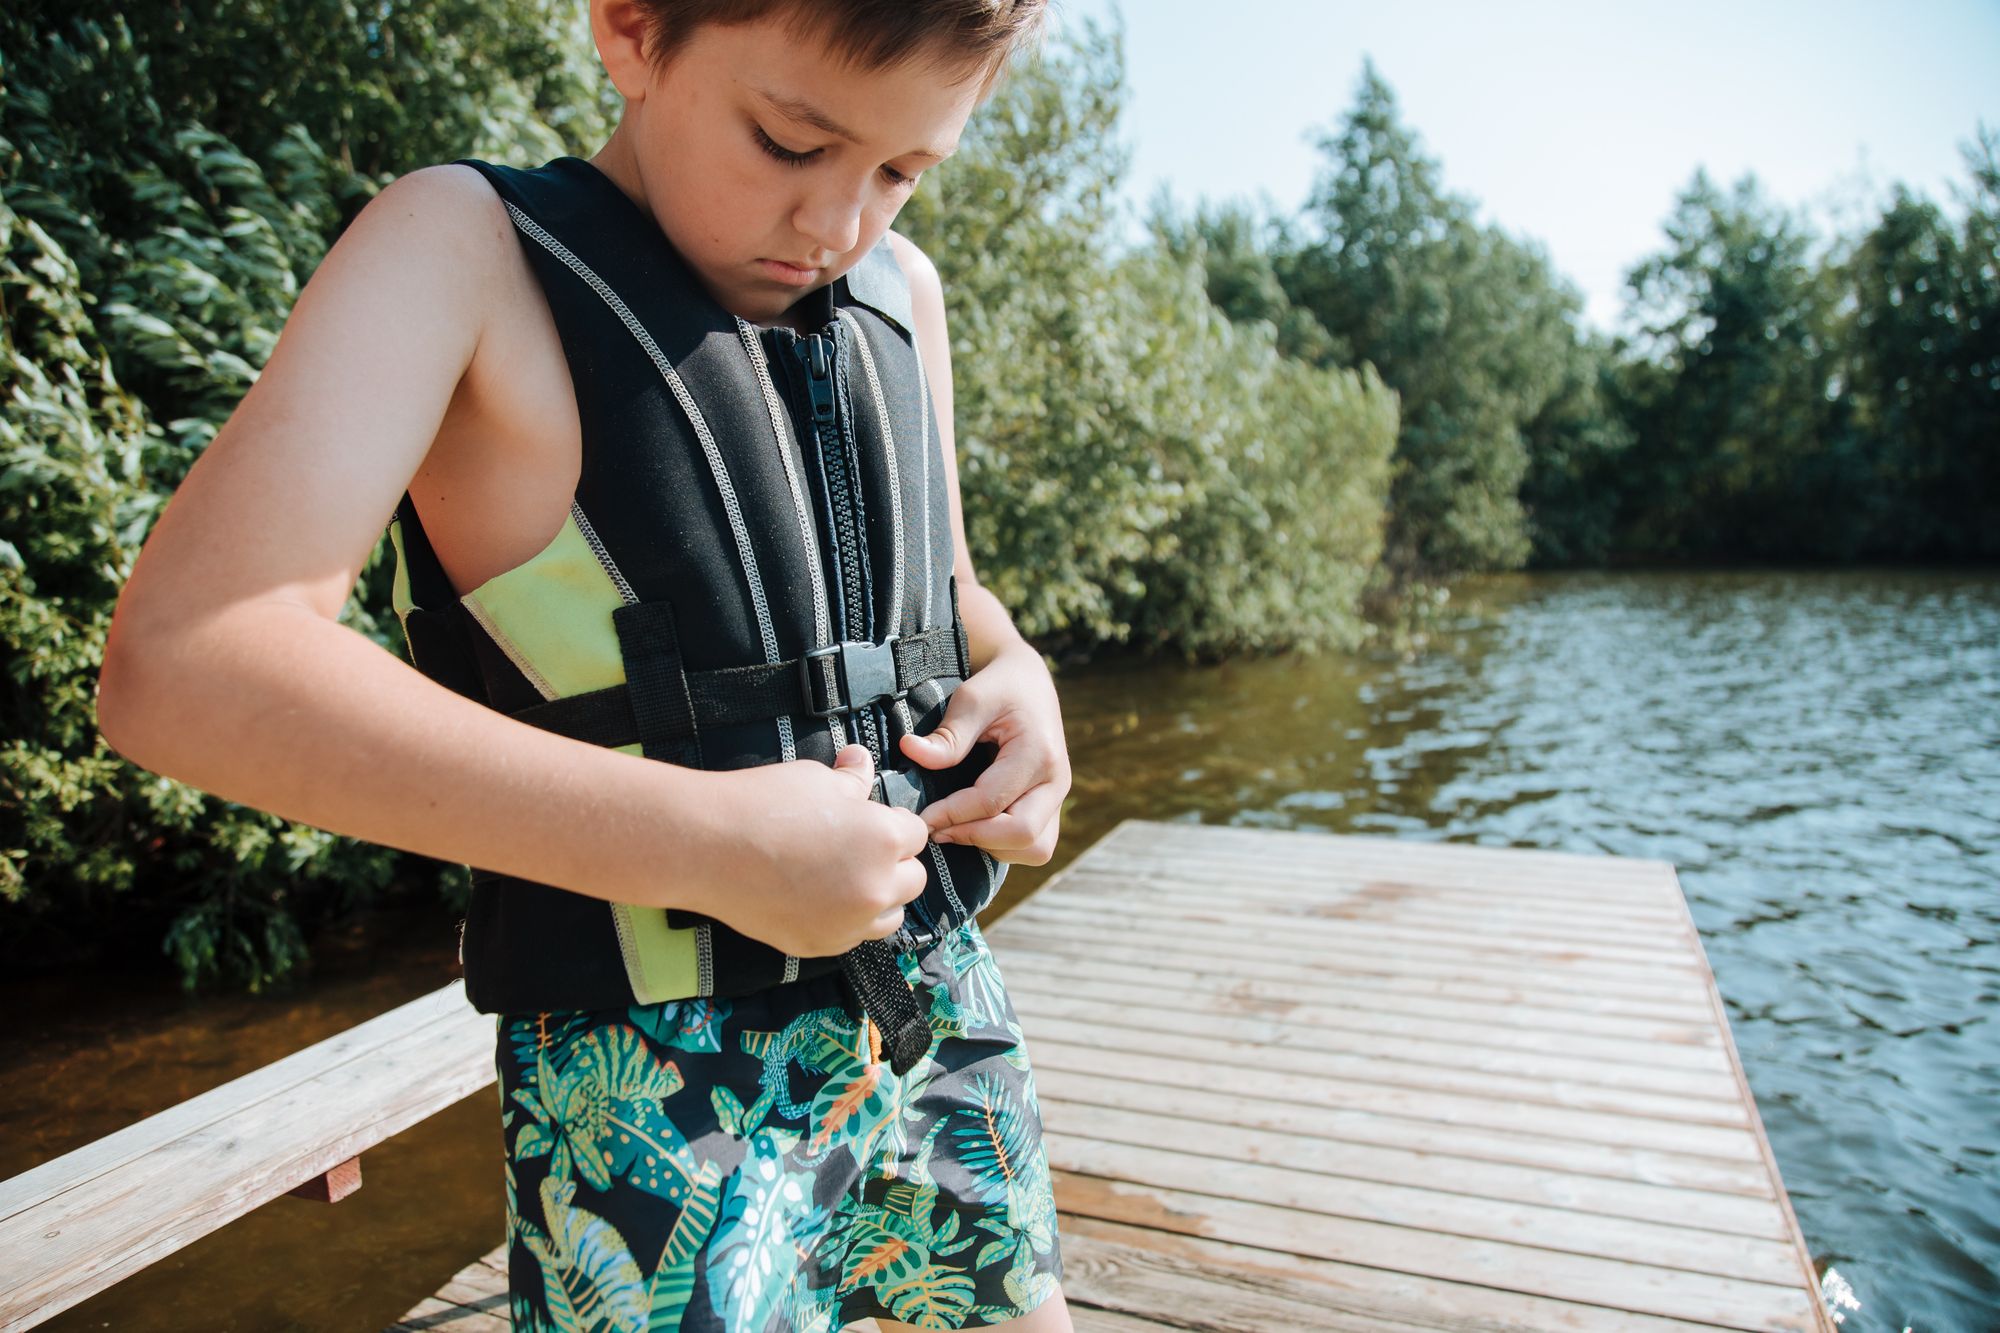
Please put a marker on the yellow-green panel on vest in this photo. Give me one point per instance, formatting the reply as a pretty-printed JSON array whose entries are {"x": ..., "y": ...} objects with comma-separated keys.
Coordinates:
[{"x": 555, "y": 610}]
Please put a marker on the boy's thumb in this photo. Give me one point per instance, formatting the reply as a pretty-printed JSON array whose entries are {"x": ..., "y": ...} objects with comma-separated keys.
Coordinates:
[{"x": 855, "y": 760}]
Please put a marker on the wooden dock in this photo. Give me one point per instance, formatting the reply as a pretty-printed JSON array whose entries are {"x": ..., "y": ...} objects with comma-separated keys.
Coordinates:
[{"x": 1294, "y": 1081}]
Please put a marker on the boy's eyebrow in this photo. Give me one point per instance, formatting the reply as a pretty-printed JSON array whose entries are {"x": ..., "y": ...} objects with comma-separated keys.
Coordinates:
[{"x": 801, "y": 110}]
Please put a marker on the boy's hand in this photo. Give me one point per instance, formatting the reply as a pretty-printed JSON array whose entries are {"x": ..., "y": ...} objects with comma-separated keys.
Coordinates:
[
  {"x": 1013, "y": 810},
  {"x": 815, "y": 866}
]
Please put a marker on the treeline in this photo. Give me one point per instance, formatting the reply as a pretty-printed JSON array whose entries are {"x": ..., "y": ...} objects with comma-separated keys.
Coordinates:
[{"x": 1782, "y": 395}]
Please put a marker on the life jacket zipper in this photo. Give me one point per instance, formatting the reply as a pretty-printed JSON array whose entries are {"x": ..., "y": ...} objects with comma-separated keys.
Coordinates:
[{"x": 817, "y": 352}]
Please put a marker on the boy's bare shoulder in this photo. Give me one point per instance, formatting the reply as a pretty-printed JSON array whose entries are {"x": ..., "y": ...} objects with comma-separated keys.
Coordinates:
[{"x": 445, "y": 218}]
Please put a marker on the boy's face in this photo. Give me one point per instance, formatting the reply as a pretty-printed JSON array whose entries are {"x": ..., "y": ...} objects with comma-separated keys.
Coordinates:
[{"x": 771, "y": 166}]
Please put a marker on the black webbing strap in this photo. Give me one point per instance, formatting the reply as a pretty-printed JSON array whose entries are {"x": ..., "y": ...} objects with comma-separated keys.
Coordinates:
[
  {"x": 885, "y": 996},
  {"x": 958, "y": 632},
  {"x": 796, "y": 688},
  {"x": 661, "y": 710}
]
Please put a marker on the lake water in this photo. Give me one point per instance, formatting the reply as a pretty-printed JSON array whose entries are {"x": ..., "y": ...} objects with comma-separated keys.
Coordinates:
[{"x": 1817, "y": 753}]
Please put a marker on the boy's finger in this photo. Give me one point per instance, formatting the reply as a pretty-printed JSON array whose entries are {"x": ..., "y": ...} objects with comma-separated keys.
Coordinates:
[
  {"x": 1018, "y": 829},
  {"x": 856, "y": 762},
  {"x": 997, "y": 788},
  {"x": 915, "y": 834},
  {"x": 953, "y": 738}
]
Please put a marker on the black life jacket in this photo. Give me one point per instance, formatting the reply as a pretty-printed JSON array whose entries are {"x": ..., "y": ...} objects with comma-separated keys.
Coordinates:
[{"x": 756, "y": 567}]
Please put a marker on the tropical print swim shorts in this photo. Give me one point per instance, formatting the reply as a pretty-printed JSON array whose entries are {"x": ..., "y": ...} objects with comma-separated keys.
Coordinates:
[{"x": 751, "y": 1165}]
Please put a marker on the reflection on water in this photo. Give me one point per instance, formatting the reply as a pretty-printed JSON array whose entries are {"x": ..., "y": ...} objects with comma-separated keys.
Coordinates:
[{"x": 1818, "y": 753}]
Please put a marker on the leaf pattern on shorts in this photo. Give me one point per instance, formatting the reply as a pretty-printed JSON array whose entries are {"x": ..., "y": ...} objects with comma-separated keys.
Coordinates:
[
  {"x": 687, "y": 1025},
  {"x": 743, "y": 1165},
  {"x": 589, "y": 1278}
]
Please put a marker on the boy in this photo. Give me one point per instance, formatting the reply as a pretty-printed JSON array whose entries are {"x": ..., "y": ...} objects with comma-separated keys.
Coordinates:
[{"x": 703, "y": 363}]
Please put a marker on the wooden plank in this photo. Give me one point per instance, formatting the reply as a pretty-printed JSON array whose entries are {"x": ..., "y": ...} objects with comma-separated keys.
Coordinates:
[
  {"x": 1117, "y": 1266},
  {"x": 474, "y": 1301},
  {"x": 1668, "y": 1062},
  {"x": 1643, "y": 1288},
  {"x": 41, "y": 1183},
  {"x": 1152, "y": 837},
  {"x": 1252, "y": 936},
  {"x": 1319, "y": 897},
  {"x": 334, "y": 1185},
  {"x": 1086, "y": 1320},
  {"x": 1461, "y": 914},
  {"x": 1561, "y": 1156},
  {"x": 1313, "y": 1196},
  {"x": 1511, "y": 1005},
  {"x": 1226, "y": 1059},
  {"x": 92, "y": 1217},
  {"x": 1371, "y": 953},
  {"x": 1333, "y": 975},
  {"x": 1444, "y": 1108},
  {"x": 1690, "y": 1094},
  {"x": 1386, "y": 877},
  {"x": 1166, "y": 1127},
  {"x": 1606, "y": 883}
]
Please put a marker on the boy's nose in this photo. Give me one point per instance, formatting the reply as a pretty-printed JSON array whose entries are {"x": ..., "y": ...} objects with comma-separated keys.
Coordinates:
[{"x": 831, "y": 220}]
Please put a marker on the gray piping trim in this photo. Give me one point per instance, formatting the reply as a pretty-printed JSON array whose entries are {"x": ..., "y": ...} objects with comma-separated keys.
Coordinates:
[
  {"x": 704, "y": 959},
  {"x": 944, "y": 878},
  {"x": 745, "y": 556},
  {"x": 889, "y": 448},
  {"x": 507, "y": 646},
  {"x": 924, "y": 451},
  {"x": 781, "y": 427},
  {"x": 791, "y": 969},
  {"x": 603, "y": 556}
]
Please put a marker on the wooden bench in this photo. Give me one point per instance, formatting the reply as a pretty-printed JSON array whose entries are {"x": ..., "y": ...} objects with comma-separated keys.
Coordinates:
[{"x": 73, "y": 1226}]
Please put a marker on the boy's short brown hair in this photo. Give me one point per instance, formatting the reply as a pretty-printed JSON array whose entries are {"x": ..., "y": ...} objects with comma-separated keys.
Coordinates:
[{"x": 974, "y": 36}]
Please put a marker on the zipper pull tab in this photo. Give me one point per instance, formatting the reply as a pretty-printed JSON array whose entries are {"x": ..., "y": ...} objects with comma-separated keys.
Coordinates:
[{"x": 819, "y": 373}]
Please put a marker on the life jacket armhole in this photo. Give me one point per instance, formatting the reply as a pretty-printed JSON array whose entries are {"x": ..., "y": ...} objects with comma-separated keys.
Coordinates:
[{"x": 877, "y": 282}]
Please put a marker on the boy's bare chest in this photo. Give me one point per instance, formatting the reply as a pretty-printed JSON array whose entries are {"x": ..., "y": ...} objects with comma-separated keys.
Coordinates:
[{"x": 503, "y": 466}]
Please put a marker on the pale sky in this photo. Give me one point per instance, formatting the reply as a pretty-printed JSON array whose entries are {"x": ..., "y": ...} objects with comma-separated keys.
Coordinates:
[{"x": 1572, "y": 123}]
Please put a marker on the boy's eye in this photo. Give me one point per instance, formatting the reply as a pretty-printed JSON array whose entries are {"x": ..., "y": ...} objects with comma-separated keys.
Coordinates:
[
  {"x": 796, "y": 159},
  {"x": 779, "y": 151}
]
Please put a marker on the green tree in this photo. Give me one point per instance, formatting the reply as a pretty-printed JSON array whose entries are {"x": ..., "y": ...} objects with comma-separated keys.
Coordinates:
[
  {"x": 1471, "y": 327},
  {"x": 1922, "y": 371},
  {"x": 1727, "y": 388}
]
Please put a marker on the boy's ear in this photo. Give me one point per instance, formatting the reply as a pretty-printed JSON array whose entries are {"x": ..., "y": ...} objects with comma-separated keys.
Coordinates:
[{"x": 619, "y": 27}]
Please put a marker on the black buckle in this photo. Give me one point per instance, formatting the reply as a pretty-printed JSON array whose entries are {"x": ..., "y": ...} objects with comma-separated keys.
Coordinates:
[
  {"x": 895, "y": 787},
  {"x": 862, "y": 674}
]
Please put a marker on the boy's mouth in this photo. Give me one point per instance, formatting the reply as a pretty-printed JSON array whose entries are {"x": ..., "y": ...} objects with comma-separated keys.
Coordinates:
[{"x": 796, "y": 275}]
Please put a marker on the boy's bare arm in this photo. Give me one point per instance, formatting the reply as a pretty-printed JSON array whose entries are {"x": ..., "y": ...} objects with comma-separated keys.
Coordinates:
[{"x": 227, "y": 669}]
